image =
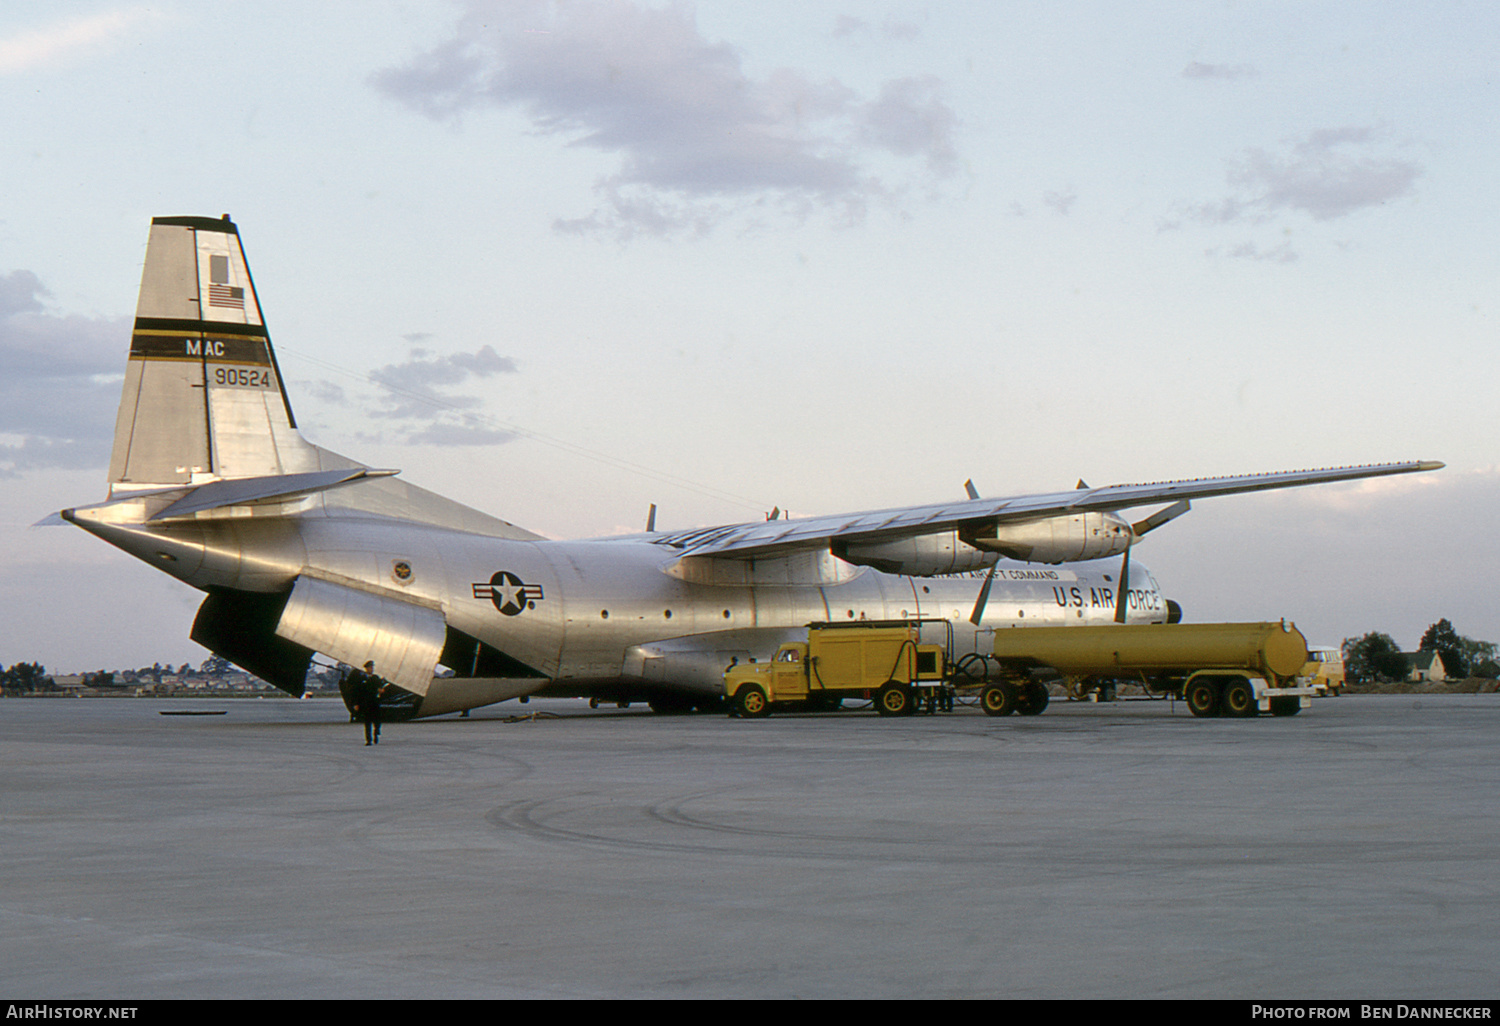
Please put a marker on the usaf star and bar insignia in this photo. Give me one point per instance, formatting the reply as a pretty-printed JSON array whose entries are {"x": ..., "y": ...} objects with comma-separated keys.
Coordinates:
[{"x": 509, "y": 593}]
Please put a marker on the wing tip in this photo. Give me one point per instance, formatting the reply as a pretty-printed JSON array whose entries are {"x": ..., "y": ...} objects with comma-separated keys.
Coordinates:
[{"x": 1371, "y": 470}]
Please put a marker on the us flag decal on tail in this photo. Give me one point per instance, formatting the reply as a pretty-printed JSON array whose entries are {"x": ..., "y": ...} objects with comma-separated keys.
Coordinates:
[
  {"x": 220, "y": 292},
  {"x": 226, "y": 295}
]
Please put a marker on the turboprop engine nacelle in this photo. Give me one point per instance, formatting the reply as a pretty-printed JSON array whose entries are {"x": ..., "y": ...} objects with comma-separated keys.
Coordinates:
[
  {"x": 1056, "y": 539},
  {"x": 927, "y": 555},
  {"x": 1051, "y": 540}
]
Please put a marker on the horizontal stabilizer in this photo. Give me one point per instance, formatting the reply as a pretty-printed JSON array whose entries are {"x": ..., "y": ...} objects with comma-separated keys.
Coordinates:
[{"x": 261, "y": 489}]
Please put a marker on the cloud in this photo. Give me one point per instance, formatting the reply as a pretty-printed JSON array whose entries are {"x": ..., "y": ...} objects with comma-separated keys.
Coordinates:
[
  {"x": 468, "y": 433},
  {"x": 1328, "y": 174},
  {"x": 695, "y": 137},
  {"x": 418, "y": 390},
  {"x": 65, "y": 39},
  {"x": 326, "y": 392},
  {"x": 1062, "y": 200},
  {"x": 59, "y": 381},
  {"x": 1282, "y": 254},
  {"x": 21, "y": 292},
  {"x": 910, "y": 119},
  {"x": 1228, "y": 72},
  {"x": 411, "y": 386},
  {"x": 846, "y": 26}
]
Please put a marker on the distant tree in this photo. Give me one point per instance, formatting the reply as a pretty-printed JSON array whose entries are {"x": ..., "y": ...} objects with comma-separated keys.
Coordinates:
[
  {"x": 1482, "y": 658},
  {"x": 1444, "y": 640},
  {"x": 1375, "y": 656},
  {"x": 25, "y": 679},
  {"x": 213, "y": 666}
]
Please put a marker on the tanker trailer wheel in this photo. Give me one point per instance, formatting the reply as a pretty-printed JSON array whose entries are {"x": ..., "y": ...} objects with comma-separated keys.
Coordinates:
[
  {"x": 750, "y": 702},
  {"x": 1239, "y": 698},
  {"x": 1033, "y": 698},
  {"x": 1202, "y": 696},
  {"x": 894, "y": 700},
  {"x": 1000, "y": 699},
  {"x": 1285, "y": 707}
]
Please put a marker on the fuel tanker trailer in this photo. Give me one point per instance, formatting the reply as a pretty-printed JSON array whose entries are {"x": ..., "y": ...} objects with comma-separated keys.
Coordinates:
[{"x": 1218, "y": 669}]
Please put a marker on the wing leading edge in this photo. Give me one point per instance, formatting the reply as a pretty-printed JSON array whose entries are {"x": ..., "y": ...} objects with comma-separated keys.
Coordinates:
[{"x": 777, "y": 537}]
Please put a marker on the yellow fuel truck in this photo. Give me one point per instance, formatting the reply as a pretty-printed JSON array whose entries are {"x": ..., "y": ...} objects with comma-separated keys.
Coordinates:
[
  {"x": 1219, "y": 669},
  {"x": 886, "y": 660}
]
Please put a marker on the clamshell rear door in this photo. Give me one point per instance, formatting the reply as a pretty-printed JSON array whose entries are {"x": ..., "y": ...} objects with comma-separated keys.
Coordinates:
[{"x": 352, "y": 626}]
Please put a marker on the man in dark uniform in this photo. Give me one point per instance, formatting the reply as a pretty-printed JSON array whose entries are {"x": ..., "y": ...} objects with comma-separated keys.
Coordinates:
[{"x": 364, "y": 688}]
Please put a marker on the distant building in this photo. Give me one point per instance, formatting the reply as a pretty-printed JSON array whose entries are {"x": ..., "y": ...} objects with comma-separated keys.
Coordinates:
[{"x": 1425, "y": 665}]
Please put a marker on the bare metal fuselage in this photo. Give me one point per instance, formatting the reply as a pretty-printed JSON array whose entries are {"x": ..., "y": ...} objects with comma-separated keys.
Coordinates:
[{"x": 618, "y": 617}]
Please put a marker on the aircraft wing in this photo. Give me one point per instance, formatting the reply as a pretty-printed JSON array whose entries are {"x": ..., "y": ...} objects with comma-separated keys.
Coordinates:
[{"x": 774, "y": 537}]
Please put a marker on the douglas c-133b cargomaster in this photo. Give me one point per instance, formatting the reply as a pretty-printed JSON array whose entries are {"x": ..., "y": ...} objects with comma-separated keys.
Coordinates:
[{"x": 303, "y": 551}]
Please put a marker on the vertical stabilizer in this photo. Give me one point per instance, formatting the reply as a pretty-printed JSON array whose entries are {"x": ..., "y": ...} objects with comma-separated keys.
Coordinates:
[{"x": 203, "y": 397}]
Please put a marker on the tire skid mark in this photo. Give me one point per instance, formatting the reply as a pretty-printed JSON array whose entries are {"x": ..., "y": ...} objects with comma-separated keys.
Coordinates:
[
  {"x": 378, "y": 832},
  {"x": 670, "y": 811},
  {"x": 534, "y": 818}
]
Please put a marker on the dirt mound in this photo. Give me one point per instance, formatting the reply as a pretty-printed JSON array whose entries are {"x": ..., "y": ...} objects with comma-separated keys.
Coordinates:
[{"x": 1468, "y": 686}]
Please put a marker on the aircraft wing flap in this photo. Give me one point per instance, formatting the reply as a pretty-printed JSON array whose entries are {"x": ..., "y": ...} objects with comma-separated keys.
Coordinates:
[{"x": 775, "y": 537}]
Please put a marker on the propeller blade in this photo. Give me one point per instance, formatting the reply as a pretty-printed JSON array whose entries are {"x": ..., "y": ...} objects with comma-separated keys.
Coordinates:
[
  {"x": 969, "y": 487},
  {"x": 651, "y": 519},
  {"x": 1124, "y": 587},
  {"x": 1161, "y": 516},
  {"x": 984, "y": 596}
]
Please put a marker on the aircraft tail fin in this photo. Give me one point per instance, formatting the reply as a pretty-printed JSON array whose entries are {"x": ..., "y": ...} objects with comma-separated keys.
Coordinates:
[{"x": 203, "y": 397}]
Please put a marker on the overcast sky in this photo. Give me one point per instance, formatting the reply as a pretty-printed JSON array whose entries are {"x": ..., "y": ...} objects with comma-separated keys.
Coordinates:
[{"x": 563, "y": 260}]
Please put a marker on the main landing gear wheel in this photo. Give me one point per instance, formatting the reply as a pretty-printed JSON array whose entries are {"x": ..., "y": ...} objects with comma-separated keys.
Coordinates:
[
  {"x": 1239, "y": 698},
  {"x": 1202, "y": 697},
  {"x": 1000, "y": 699},
  {"x": 750, "y": 702},
  {"x": 894, "y": 700},
  {"x": 1033, "y": 698}
]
